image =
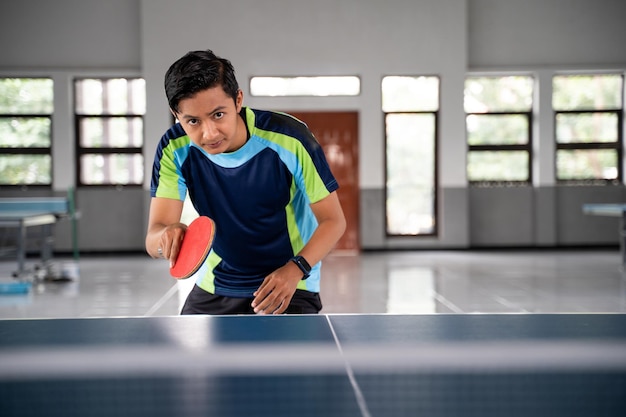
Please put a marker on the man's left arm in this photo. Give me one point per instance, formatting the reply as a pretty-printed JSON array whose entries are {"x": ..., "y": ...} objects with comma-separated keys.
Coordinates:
[{"x": 276, "y": 291}]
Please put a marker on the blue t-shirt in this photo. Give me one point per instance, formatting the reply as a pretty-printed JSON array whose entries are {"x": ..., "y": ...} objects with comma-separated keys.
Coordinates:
[{"x": 258, "y": 196}]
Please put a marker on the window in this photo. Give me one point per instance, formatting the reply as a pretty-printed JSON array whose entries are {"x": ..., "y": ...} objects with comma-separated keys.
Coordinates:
[
  {"x": 26, "y": 106},
  {"x": 410, "y": 106},
  {"x": 588, "y": 112},
  {"x": 305, "y": 86},
  {"x": 498, "y": 122},
  {"x": 109, "y": 131}
]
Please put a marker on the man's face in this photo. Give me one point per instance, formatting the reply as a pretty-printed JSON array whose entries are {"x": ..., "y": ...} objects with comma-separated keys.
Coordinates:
[{"x": 211, "y": 120}]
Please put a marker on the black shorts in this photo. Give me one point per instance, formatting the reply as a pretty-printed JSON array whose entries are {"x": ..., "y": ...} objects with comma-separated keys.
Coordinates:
[{"x": 201, "y": 302}]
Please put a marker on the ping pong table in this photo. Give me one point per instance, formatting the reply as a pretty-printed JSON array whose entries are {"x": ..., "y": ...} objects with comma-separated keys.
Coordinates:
[
  {"x": 612, "y": 210},
  {"x": 24, "y": 213},
  {"x": 318, "y": 365}
]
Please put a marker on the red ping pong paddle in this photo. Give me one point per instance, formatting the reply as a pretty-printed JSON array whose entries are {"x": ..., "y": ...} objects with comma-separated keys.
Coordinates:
[{"x": 195, "y": 247}]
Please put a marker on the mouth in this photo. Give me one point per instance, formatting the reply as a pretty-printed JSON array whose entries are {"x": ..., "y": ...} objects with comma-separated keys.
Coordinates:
[{"x": 213, "y": 145}]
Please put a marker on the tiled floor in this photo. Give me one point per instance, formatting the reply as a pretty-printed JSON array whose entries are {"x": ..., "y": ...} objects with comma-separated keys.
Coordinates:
[{"x": 541, "y": 281}]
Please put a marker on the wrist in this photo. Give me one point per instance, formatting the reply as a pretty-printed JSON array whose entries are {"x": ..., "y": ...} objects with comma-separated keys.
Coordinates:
[{"x": 303, "y": 265}]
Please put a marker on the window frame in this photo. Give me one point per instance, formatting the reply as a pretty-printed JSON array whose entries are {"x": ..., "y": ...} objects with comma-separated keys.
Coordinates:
[
  {"x": 39, "y": 150},
  {"x": 526, "y": 147},
  {"x": 81, "y": 151},
  {"x": 617, "y": 145},
  {"x": 436, "y": 145}
]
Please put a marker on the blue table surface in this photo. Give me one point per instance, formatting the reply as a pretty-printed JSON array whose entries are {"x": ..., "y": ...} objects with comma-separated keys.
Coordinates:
[
  {"x": 356, "y": 328},
  {"x": 359, "y": 393}
]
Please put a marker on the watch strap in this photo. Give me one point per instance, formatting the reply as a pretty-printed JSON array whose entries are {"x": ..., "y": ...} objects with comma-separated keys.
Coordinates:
[{"x": 303, "y": 265}]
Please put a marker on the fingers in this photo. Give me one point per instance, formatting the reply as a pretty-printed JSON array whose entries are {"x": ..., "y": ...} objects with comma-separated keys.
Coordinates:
[
  {"x": 265, "y": 299},
  {"x": 175, "y": 249},
  {"x": 170, "y": 242},
  {"x": 272, "y": 303},
  {"x": 260, "y": 302},
  {"x": 276, "y": 291}
]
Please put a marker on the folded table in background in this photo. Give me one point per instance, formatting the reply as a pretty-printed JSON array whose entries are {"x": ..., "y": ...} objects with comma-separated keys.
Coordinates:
[{"x": 20, "y": 214}]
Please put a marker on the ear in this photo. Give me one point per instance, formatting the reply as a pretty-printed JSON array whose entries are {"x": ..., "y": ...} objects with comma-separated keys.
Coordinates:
[{"x": 239, "y": 100}]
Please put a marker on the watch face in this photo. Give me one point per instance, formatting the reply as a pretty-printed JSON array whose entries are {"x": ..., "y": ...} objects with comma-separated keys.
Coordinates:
[{"x": 304, "y": 264}]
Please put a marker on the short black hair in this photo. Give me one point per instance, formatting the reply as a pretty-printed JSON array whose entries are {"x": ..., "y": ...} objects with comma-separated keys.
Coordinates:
[{"x": 197, "y": 71}]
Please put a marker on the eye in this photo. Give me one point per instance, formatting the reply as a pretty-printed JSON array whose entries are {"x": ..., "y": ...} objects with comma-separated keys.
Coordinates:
[
  {"x": 218, "y": 115},
  {"x": 192, "y": 122}
]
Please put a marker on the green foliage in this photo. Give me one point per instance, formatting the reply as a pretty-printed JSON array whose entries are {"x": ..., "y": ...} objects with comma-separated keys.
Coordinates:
[
  {"x": 587, "y": 92},
  {"x": 498, "y": 94},
  {"x": 25, "y": 169},
  {"x": 25, "y": 132},
  {"x": 26, "y": 96}
]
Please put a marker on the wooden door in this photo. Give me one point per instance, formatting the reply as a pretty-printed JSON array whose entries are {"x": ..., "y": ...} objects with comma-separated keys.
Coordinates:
[{"x": 337, "y": 132}]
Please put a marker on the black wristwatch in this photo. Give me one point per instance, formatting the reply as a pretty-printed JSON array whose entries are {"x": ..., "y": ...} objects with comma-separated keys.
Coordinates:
[{"x": 303, "y": 265}]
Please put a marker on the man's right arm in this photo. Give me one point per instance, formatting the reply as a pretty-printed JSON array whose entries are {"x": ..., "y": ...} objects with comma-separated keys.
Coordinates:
[{"x": 165, "y": 231}]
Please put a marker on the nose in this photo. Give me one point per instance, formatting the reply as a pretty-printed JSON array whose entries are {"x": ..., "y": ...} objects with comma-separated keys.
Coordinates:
[{"x": 209, "y": 131}]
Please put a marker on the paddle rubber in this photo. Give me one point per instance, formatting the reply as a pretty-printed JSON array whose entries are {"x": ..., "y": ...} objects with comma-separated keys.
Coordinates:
[{"x": 195, "y": 247}]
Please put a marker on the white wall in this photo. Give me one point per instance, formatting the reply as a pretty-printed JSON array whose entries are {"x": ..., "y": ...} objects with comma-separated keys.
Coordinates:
[
  {"x": 65, "y": 34},
  {"x": 370, "y": 38},
  {"x": 64, "y": 39},
  {"x": 323, "y": 37},
  {"x": 546, "y": 33}
]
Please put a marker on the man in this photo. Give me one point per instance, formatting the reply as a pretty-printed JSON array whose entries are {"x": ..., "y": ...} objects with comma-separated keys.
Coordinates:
[{"x": 264, "y": 180}]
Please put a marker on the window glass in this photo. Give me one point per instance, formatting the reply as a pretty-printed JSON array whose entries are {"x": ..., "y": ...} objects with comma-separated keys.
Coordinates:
[
  {"x": 110, "y": 96},
  {"x": 26, "y": 96},
  {"x": 410, "y": 93},
  {"x": 497, "y": 130},
  {"x": 587, "y": 92},
  {"x": 498, "y": 124},
  {"x": 26, "y": 106},
  {"x": 305, "y": 86},
  {"x": 588, "y": 112},
  {"x": 498, "y": 94},
  {"x": 410, "y": 173},
  {"x": 116, "y": 132},
  {"x": 112, "y": 168},
  {"x": 503, "y": 165},
  {"x": 109, "y": 120},
  {"x": 25, "y": 132},
  {"x": 25, "y": 169},
  {"x": 587, "y": 127},
  {"x": 410, "y": 104},
  {"x": 587, "y": 164}
]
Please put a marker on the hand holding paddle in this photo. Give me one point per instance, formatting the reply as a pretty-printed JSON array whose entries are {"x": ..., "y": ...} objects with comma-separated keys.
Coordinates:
[{"x": 194, "y": 248}]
